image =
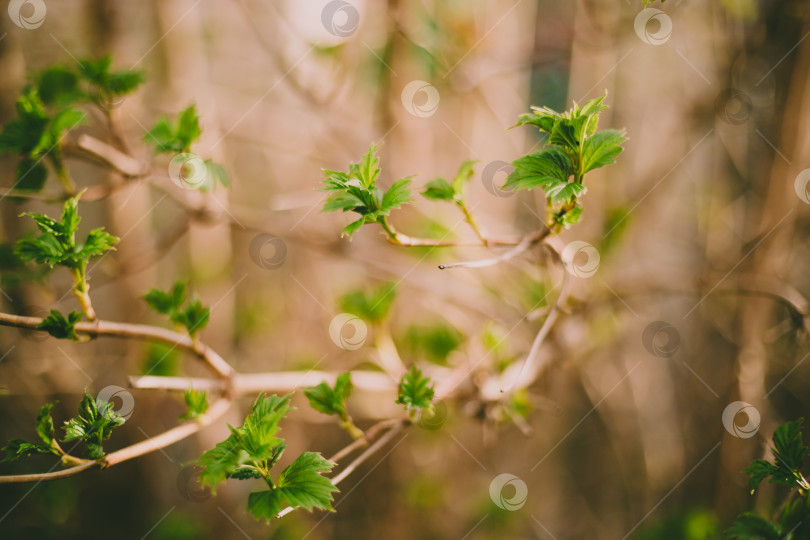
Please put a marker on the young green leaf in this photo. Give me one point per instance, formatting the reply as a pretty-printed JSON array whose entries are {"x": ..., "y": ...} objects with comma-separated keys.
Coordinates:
[
  {"x": 174, "y": 138},
  {"x": 328, "y": 400},
  {"x": 372, "y": 306},
  {"x": 249, "y": 449},
  {"x": 547, "y": 168},
  {"x": 601, "y": 149},
  {"x": 57, "y": 245},
  {"x": 93, "y": 425},
  {"x": 415, "y": 391},
  {"x": 300, "y": 485},
  {"x": 357, "y": 191},
  {"x": 196, "y": 404},
  {"x": 194, "y": 316},
  {"x": 106, "y": 84},
  {"x": 169, "y": 301},
  {"x": 18, "y": 448},
  {"x": 439, "y": 190},
  {"x": 59, "y": 326}
]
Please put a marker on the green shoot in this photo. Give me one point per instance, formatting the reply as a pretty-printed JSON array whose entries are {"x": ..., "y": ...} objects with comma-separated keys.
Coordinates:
[{"x": 328, "y": 400}]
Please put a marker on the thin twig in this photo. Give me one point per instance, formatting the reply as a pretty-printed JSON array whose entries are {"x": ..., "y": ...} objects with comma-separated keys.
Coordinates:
[
  {"x": 527, "y": 242},
  {"x": 138, "y": 331}
]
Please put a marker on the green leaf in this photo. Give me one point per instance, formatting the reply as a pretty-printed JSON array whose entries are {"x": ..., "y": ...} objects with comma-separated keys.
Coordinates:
[
  {"x": 372, "y": 306},
  {"x": 169, "y": 137},
  {"x": 45, "y": 428},
  {"x": 301, "y": 485},
  {"x": 97, "y": 243},
  {"x": 463, "y": 176},
  {"x": 548, "y": 167},
  {"x": 439, "y": 190},
  {"x": 196, "y": 404},
  {"x": 222, "y": 461},
  {"x": 194, "y": 316},
  {"x": 601, "y": 149},
  {"x": 58, "y": 85},
  {"x": 397, "y": 195},
  {"x": 415, "y": 391},
  {"x": 564, "y": 193},
  {"x": 169, "y": 301},
  {"x": 93, "y": 425},
  {"x": 368, "y": 170},
  {"x": 17, "y": 448},
  {"x": 789, "y": 449},
  {"x": 750, "y": 526},
  {"x": 262, "y": 425},
  {"x": 569, "y": 217},
  {"x": 107, "y": 83},
  {"x": 758, "y": 471},
  {"x": 59, "y": 326},
  {"x": 323, "y": 398}
]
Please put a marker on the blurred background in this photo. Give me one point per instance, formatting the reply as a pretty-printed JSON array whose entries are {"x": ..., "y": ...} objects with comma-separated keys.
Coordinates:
[{"x": 697, "y": 303}]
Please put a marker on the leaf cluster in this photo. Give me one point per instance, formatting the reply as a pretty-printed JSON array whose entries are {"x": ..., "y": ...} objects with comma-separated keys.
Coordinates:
[
  {"x": 190, "y": 314},
  {"x": 357, "y": 191},
  {"x": 46, "y": 110},
  {"x": 415, "y": 391},
  {"x": 442, "y": 190},
  {"x": 92, "y": 425},
  {"x": 251, "y": 451},
  {"x": 57, "y": 245},
  {"x": 793, "y": 520},
  {"x": 573, "y": 148}
]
